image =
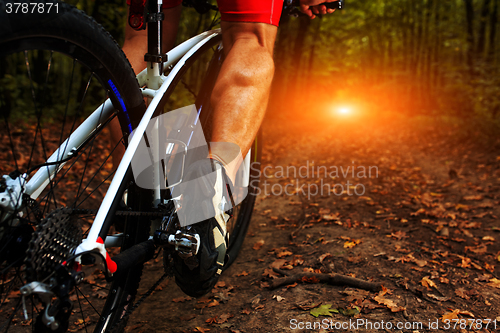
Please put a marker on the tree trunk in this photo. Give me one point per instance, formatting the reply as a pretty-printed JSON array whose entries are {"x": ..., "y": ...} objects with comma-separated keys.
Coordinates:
[
  {"x": 493, "y": 31},
  {"x": 298, "y": 51},
  {"x": 481, "y": 38},
  {"x": 469, "y": 15}
]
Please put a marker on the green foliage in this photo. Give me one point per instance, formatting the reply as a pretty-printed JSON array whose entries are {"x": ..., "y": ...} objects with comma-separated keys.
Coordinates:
[
  {"x": 58, "y": 89},
  {"x": 111, "y": 14},
  {"x": 407, "y": 56}
]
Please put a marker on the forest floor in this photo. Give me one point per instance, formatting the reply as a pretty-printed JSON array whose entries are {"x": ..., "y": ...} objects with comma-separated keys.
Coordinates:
[
  {"x": 411, "y": 207},
  {"x": 423, "y": 224}
]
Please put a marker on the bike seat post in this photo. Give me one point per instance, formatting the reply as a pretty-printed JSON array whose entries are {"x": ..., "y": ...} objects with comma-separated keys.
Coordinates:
[{"x": 155, "y": 56}]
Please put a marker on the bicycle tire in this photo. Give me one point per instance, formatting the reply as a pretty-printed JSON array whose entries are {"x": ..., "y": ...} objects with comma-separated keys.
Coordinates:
[
  {"x": 238, "y": 224},
  {"x": 56, "y": 40}
]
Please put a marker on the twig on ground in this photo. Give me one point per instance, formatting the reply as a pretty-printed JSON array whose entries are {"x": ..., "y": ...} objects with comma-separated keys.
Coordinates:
[{"x": 333, "y": 279}]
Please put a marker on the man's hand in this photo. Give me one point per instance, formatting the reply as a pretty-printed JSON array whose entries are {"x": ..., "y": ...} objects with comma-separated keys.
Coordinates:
[{"x": 313, "y": 7}]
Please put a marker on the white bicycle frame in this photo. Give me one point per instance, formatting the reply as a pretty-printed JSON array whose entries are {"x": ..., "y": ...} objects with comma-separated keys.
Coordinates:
[{"x": 157, "y": 85}]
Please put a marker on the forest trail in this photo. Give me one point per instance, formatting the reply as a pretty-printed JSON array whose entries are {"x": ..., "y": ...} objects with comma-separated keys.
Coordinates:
[{"x": 425, "y": 227}]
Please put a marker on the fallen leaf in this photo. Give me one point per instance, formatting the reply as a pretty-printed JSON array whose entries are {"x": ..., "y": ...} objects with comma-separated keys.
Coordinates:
[
  {"x": 450, "y": 315},
  {"x": 349, "y": 312},
  {"x": 201, "y": 329},
  {"x": 465, "y": 262},
  {"x": 481, "y": 249},
  {"x": 462, "y": 293},
  {"x": 488, "y": 238},
  {"x": 244, "y": 273},
  {"x": 428, "y": 283},
  {"x": 223, "y": 318},
  {"x": 494, "y": 283},
  {"x": 181, "y": 299},
  {"x": 420, "y": 263},
  {"x": 258, "y": 245},
  {"x": 284, "y": 253},
  {"x": 324, "y": 256},
  {"x": 278, "y": 298},
  {"x": 351, "y": 244},
  {"x": 473, "y": 197},
  {"x": 220, "y": 284},
  {"x": 466, "y": 313},
  {"x": 323, "y": 310},
  {"x": 389, "y": 303},
  {"x": 398, "y": 235},
  {"x": 330, "y": 217},
  {"x": 278, "y": 263},
  {"x": 467, "y": 233},
  {"x": 213, "y": 303},
  {"x": 297, "y": 260},
  {"x": 306, "y": 305},
  {"x": 439, "y": 298},
  {"x": 355, "y": 294}
]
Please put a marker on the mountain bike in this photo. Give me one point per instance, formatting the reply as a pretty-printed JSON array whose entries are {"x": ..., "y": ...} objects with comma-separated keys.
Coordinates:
[{"x": 66, "y": 214}]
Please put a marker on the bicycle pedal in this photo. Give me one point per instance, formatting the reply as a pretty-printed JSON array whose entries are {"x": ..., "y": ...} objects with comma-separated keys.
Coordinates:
[{"x": 185, "y": 244}]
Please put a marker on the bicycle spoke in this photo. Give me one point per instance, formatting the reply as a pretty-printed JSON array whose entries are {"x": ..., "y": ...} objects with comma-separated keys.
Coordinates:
[
  {"x": 9, "y": 321},
  {"x": 89, "y": 153},
  {"x": 90, "y": 194},
  {"x": 13, "y": 150},
  {"x": 59, "y": 82},
  {"x": 81, "y": 310},
  {"x": 98, "y": 170},
  {"x": 38, "y": 112},
  {"x": 90, "y": 303}
]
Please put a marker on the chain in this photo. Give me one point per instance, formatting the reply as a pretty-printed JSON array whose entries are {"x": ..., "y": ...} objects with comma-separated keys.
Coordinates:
[
  {"x": 119, "y": 212},
  {"x": 139, "y": 302}
]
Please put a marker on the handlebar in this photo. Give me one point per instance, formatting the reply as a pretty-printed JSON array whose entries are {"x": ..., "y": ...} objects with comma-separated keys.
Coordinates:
[
  {"x": 330, "y": 5},
  {"x": 290, "y": 7},
  {"x": 138, "y": 12}
]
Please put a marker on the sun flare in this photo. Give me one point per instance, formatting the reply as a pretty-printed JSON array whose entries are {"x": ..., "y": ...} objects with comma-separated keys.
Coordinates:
[{"x": 344, "y": 110}]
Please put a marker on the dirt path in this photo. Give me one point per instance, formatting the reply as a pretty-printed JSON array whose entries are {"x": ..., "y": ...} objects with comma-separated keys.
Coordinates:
[{"x": 419, "y": 216}]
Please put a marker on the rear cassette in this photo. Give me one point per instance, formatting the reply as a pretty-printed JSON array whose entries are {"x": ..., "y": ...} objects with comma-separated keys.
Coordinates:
[{"x": 55, "y": 240}]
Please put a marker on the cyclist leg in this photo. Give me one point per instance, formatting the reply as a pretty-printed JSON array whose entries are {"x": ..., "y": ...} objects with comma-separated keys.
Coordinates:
[
  {"x": 239, "y": 99},
  {"x": 241, "y": 91}
]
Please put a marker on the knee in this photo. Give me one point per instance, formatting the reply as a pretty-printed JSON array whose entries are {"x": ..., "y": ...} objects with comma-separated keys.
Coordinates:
[
  {"x": 251, "y": 71},
  {"x": 255, "y": 68},
  {"x": 249, "y": 65}
]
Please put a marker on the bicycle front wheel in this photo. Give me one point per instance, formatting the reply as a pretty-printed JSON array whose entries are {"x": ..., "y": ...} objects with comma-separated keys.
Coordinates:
[{"x": 58, "y": 68}]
